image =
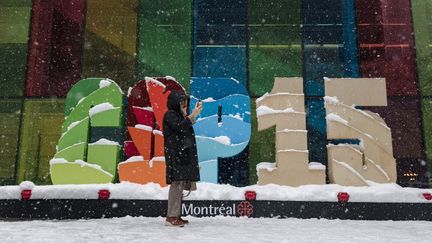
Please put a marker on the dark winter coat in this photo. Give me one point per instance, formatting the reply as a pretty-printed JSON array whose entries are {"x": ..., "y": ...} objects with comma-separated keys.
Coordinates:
[{"x": 180, "y": 146}]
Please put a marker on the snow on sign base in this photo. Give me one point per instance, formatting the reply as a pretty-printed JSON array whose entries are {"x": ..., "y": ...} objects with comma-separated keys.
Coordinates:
[{"x": 378, "y": 193}]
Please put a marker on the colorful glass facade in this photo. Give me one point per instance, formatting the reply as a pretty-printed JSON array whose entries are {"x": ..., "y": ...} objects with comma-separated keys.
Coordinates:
[{"x": 47, "y": 46}]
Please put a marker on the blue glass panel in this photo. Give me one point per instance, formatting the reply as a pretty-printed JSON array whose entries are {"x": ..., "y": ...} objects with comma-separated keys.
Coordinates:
[
  {"x": 219, "y": 62},
  {"x": 220, "y": 38},
  {"x": 330, "y": 50},
  {"x": 220, "y": 88},
  {"x": 221, "y": 22},
  {"x": 317, "y": 130}
]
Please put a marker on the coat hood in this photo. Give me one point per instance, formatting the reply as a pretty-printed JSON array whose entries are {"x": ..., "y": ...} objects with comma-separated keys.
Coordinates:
[{"x": 174, "y": 100}]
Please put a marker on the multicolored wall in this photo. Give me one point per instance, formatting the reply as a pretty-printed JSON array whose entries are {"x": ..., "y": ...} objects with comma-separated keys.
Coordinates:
[{"x": 48, "y": 46}]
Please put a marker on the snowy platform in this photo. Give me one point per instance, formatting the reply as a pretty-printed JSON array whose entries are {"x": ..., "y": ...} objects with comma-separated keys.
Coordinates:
[{"x": 377, "y": 202}]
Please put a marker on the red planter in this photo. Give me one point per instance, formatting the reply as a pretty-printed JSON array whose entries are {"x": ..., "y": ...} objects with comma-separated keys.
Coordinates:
[
  {"x": 26, "y": 194},
  {"x": 343, "y": 197},
  {"x": 250, "y": 195},
  {"x": 104, "y": 194},
  {"x": 427, "y": 196}
]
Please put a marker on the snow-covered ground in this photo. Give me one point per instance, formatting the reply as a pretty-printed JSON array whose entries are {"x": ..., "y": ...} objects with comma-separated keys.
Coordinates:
[{"x": 218, "y": 229}]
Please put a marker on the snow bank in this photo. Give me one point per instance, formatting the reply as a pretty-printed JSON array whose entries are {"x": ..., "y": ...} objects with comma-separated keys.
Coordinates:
[
  {"x": 104, "y": 141},
  {"x": 223, "y": 140},
  {"x": 157, "y": 132},
  {"x": 292, "y": 130},
  {"x": 26, "y": 185},
  {"x": 147, "y": 108},
  {"x": 209, "y": 99},
  {"x": 158, "y": 159},
  {"x": 144, "y": 127},
  {"x": 104, "y": 83},
  {"x": 293, "y": 150},
  {"x": 170, "y": 78},
  {"x": 79, "y": 162},
  {"x": 331, "y": 100},
  {"x": 58, "y": 161},
  {"x": 154, "y": 81},
  {"x": 107, "y": 82},
  {"x": 73, "y": 124},
  {"x": 276, "y": 94},
  {"x": 266, "y": 166},
  {"x": 334, "y": 117},
  {"x": 264, "y": 110},
  {"x": 209, "y": 191},
  {"x": 100, "y": 108},
  {"x": 133, "y": 159},
  {"x": 129, "y": 92},
  {"x": 316, "y": 166},
  {"x": 214, "y": 230},
  {"x": 236, "y": 116}
]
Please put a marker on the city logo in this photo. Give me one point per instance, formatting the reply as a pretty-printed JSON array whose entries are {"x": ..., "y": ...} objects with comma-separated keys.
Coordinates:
[{"x": 243, "y": 208}]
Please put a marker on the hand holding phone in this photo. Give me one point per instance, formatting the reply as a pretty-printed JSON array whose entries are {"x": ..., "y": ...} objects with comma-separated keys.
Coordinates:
[
  {"x": 198, "y": 109},
  {"x": 199, "y": 104}
]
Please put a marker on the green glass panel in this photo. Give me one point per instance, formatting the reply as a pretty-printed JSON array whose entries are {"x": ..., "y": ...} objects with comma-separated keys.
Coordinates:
[
  {"x": 72, "y": 153},
  {"x": 267, "y": 63},
  {"x": 274, "y": 43},
  {"x": 422, "y": 21},
  {"x": 110, "y": 94},
  {"x": 79, "y": 91},
  {"x": 74, "y": 173},
  {"x": 41, "y": 124},
  {"x": 110, "y": 40},
  {"x": 74, "y": 135},
  {"x": 14, "y": 23},
  {"x": 165, "y": 39},
  {"x": 261, "y": 145},
  {"x": 427, "y": 125},
  {"x": 9, "y": 127},
  {"x": 108, "y": 118},
  {"x": 106, "y": 156}
]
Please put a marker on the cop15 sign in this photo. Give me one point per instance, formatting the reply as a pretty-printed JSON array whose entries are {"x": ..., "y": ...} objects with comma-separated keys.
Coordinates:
[{"x": 108, "y": 133}]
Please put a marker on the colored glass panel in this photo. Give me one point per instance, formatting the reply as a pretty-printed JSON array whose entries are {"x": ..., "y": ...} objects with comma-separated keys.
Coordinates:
[
  {"x": 330, "y": 50},
  {"x": 165, "y": 40},
  {"x": 427, "y": 129},
  {"x": 220, "y": 39},
  {"x": 110, "y": 40},
  {"x": 221, "y": 22},
  {"x": 412, "y": 173},
  {"x": 41, "y": 129},
  {"x": 261, "y": 145},
  {"x": 403, "y": 116},
  {"x": 9, "y": 123},
  {"x": 216, "y": 61},
  {"x": 386, "y": 50},
  {"x": 422, "y": 20},
  {"x": 55, "y": 47},
  {"x": 386, "y": 44},
  {"x": 274, "y": 43},
  {"x": 329, "y": 39},
  {"x": 14, "y": 23}
]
